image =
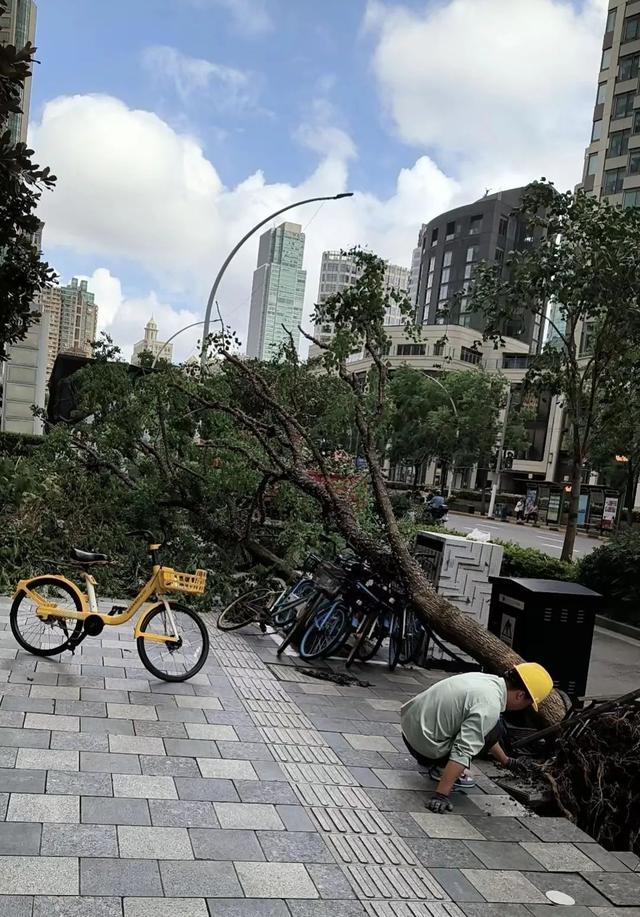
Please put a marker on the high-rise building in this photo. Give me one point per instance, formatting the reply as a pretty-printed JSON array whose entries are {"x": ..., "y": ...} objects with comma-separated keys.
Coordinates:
[
  {"x": 277, "y": 294},
  {"x": 612, "y": 160},
  {"x": 454, "y": 244},
  {"x": 338, "y": 271},
  {"x": 414, "y": 274},
  {"x": 73, "y": 319},
  {"x": 24, "y": 380},
  {"x": 150, "y": 344},
  {"x": 17, "y": 27}
]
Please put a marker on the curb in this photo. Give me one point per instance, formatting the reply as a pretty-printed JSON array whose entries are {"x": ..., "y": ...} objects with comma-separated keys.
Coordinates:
[{"x": 618, "y": 627}]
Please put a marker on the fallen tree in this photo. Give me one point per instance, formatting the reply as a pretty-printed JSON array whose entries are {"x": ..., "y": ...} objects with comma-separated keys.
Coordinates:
[{"x": 270, "y": 431}]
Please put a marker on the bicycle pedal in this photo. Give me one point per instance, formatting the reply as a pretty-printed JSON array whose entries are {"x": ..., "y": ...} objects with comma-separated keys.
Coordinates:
[{"x": 116, "y": 610}]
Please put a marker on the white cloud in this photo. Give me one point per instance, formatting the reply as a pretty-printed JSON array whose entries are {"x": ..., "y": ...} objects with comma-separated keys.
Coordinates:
[
  {"x": 320, "y": 133},
  {"x": 135, "y": 189},
  {"x": 250, "y": 17},
  {"x": 500, "y": 90},
  {"x": 226, "y": 88}
]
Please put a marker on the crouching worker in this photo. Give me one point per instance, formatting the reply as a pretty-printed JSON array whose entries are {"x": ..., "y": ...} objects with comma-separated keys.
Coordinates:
[{"x": 454, "y": 720}]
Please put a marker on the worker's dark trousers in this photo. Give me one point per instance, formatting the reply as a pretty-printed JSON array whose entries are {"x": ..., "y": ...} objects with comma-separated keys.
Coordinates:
[{"x": 495, "y": 735}]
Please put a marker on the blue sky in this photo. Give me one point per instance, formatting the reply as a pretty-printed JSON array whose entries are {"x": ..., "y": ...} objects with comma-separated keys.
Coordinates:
[{"x": 222, "y": 108}]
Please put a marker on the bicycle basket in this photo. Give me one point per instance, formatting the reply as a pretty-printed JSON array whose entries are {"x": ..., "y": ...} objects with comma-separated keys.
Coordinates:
[
  {"x": 192, "y": 583},
  {"x": 329, "y": 578}
]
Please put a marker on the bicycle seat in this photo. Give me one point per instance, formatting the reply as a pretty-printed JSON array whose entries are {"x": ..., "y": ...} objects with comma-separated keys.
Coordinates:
[{"x": 88, "y": 557}]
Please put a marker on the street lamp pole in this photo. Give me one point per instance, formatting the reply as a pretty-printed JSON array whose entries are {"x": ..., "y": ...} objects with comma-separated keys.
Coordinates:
[
  {"x": 455, "y": 411},
  {"x": 503, "y": 435},
  {"x": 232, "y": 253}
]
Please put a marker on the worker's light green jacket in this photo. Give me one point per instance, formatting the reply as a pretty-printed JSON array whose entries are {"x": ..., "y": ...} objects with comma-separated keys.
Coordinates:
[{"x": 453, "y": 717}]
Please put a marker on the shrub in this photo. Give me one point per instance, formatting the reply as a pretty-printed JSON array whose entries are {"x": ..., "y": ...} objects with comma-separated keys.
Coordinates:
[
  {"x": 401, "y": 503},
  {"x": 612, "y": 569},
  {"x": 533, "y": 564}
]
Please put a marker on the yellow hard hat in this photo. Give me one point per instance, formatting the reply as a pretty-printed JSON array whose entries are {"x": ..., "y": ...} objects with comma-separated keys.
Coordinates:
[{"x": 537, "y": 681}]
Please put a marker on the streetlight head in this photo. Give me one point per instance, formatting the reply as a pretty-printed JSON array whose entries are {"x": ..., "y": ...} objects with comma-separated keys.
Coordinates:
[{"x": 344, "y": 194}]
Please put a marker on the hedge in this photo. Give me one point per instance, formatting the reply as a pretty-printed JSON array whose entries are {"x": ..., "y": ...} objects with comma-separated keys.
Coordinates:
[{"x": 612, "y": 569}]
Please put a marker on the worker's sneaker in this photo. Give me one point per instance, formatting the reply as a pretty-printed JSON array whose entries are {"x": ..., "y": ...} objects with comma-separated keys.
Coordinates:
[{"x": 464, "y": 782}]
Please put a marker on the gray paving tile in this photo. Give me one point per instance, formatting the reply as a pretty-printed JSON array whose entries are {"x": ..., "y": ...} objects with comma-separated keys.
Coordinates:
[
  {"x": 136, "y": 745},
  {"x": 295, "y": 846},
  {"x": 502, "y": 829},
  {"x": 499, "y": 910},
  {"x": 80, "y": 708},
  {"x": 19, "y": 906},
  {"x": 154, "y": 843},
  {"x": 119, "y": 877},
  {"x": 456, "y": 884},
  {"x": 168, "y": 766},
  {"x": 230, "y": 844},
  {"x": 408, "y": 800},
  {"x": 206, "y": 789},
  {"x": 404, "y": 824},
  {"x": 504, "y": 886},
  {"x": 330, "y": 881},
  {"x": 22, "y": 781},
  {"x": 76, "y": 907},
  {"x": 194, "y": 748},
  {"x": 74, "y": 783},
  {"x": 97, "y": 726},
  {"x": 79, "y": 841},
  {"x": 502, "y": 855},
  {"x": 24, "y": 738},
  {"x": 79, "y": 741},
  {"x": 144, "y": 787},
  {"x": 451, "y": 826},
  {"x": 610, "y": 911},
  {"x": 271, "y": 791},
  {"x": 38, "y": 875},
  {"x": 102, "y": 696},
  {"x": 182, "y": 813},
  {"x": 210, "y": 731},
  {"x": 544, "y": 910},
  {"x": 607, "y": 861},
  {"x": 98, "y": 762},
  {"x": 131, "y": 712},
  {"x": 621, "y": 889},
  {"x": 200, "y": 878},
  {"x": 267, "y": 770},
  {"x": 20, "y": 839},
  {"x": 165, "y": 907},
  {"x": 556, "y": 829},
  {"x": 227, "y": 768},
  {"x": 248, "y": 751},
  {"x": 327, "y": 909},
  {"x": 4, "y": 804},
  {"x": 369, "y": 743},
  {"x": 27, "y": 704},
  {"x": 629, "y": 859},
  {"x": 443, "y": 852},
  {"x": 498, "y": 806},
  {"x": 105, "y": 811},
  {"x": 560, "y": 857},
  {"x": 253, "y": 907},
  {"x": 364, "y": 776},
  {"x": 47, "y": 759},
  {"x": 48, "y": 721},
  {"x": 247, "y": 815},
  {"x": 275, "y": 880},
  {"x": 31, "y": 808},
  {"x": 8, "y": 757},
  {"x": 159, "y": 729},
  {"x": 578, "y": 887},
  {"x": 169, "y": 714},
  {"x": 295, "y": 818}
]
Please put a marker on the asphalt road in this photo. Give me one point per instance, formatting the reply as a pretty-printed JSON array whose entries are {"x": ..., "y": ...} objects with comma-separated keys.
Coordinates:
[{"x": 526, "y": 535}]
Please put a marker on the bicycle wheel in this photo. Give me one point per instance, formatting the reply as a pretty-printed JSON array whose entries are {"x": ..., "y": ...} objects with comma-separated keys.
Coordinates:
[
  {"x": 45, "y": 638},
  {"x": 411, "y": 643},
  {"x": 395, "y": 639},
  {"x": 371, "y": 646},
  {"x": 174, "y": 661},
  {"x": 284, "y": 611},
  {"x": 327, "y": 631},
  {"x": 246, "y": 609}
]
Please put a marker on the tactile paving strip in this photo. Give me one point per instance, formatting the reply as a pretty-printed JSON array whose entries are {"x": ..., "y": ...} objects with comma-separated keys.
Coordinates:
[
  {"x": 283, "y": 736},
  {"x": 239, "y": 660},
  {"x": 256, "y": 689},
  {"x": 412, "y": 909},
  {"x": 380, "y": 851},
  {"x": 348, "y": 796},
  {"x": 287, "y": 720},
  {"x": 331, "y": 774},
  {"x": 298, "y": 754},
  {"x": 394, "y": 882},
  {"x": 263, "y": 706},
  {"x": 351, "y": 821}
]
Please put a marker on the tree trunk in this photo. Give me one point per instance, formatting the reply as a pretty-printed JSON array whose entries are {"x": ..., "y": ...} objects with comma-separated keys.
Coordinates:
[
  {"x": 631, "y": 491},
  {"x": 574, "y": 502}
]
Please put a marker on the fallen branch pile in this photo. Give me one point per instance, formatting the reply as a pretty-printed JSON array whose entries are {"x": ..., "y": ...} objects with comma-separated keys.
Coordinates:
[{"x": 595, "y": 777}]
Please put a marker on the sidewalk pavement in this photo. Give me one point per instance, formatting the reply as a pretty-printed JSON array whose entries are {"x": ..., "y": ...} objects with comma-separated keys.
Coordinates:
[{"x": 255, "y": 791}]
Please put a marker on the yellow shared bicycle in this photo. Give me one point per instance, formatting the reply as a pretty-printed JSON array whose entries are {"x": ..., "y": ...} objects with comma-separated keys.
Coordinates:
[{"x": 51, "y": 614}]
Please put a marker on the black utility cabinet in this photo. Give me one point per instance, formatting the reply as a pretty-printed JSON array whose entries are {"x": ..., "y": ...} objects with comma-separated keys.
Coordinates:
[{"x": 549, "y": 622}]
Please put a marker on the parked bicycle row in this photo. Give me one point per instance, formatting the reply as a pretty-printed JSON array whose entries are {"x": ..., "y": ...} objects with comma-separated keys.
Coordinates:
[{"x": 336, "y": 608}]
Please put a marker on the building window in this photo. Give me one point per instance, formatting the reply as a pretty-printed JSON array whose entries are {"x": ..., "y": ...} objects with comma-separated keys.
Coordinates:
[
  {"x": 503, "y": 225},
  {"x": 632, "y": 198},
  {"x": 465, "y": 319},
  {"x": 500, "y": 257},
  {"x": 592, "y": 164},
  {"x": 596, "y": 133},
  {"x": 467, "y": 355},
  {"x": 611, "y": 21},
  {"x": 613, "y": 180},
  {"x": 451, "y": 231},
  {"x": 411, "y": 350},
  {"x": 475, "y": 225},
  {"x": 623, "y": 105},
  {"x": 628, "y": 67},
  {"x": 636, "y": 123},
  {"x": 430, "y": 276},
  {"x": 634, "y": 164},
  {"x": 446, "y": 261},
  {"x": 602, "y": 93},
  {"x": 631, "y": 29},
  {"x": 619, "y": 143},
  {"x": 438, "y": 348},
  {"x": 434, "y": 236},
  {"x": 515, "y": 361},
  {"x": 606, "y": 59}
]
